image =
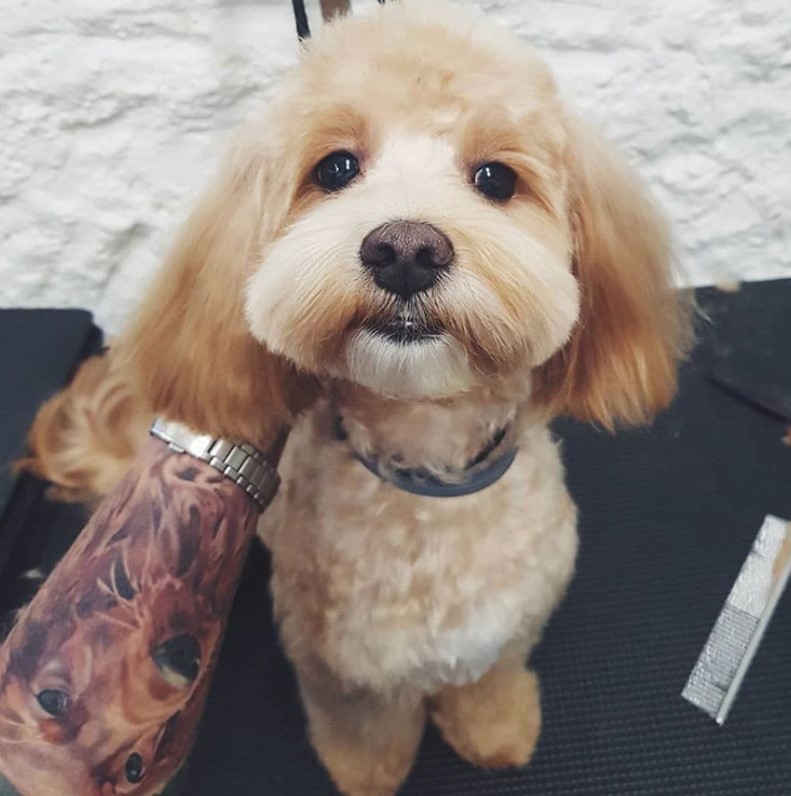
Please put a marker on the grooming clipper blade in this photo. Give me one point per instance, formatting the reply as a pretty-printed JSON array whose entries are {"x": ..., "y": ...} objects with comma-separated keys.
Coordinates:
[{"x": 718, "y": 674}]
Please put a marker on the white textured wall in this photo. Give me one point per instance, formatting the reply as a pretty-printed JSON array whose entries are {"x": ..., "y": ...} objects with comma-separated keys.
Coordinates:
[{"x": 113, "y": 114}]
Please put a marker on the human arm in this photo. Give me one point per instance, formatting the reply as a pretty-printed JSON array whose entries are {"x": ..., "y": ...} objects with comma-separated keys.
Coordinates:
[{"x": 104, "y": 676}]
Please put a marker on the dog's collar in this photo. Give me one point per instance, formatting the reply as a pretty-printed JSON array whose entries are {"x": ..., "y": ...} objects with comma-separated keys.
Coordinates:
[{"x": 481, "y": 471}]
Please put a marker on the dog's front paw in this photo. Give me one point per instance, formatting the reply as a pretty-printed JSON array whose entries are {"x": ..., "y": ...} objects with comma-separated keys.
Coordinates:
[
  {"x": 363, "y": 771},
  {"x": 494, "y": 723}
]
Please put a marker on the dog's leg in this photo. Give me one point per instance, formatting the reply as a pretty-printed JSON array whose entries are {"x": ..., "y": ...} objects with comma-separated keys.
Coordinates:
[
  {"x": 366, "y": 743},
  {"x": 494, "y": 722}
]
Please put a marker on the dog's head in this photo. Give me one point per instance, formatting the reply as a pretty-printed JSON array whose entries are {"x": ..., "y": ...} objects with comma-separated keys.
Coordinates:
[{"x": 419, "y": 214}]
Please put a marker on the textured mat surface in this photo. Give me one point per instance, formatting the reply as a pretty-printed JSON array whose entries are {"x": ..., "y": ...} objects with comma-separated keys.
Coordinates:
[
  {"x": 667, "y": 518},
  {"x": 38, "y": 351}
]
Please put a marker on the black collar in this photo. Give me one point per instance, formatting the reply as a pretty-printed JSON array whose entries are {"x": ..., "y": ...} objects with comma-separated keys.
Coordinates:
[{"x": 480, "y": 472}]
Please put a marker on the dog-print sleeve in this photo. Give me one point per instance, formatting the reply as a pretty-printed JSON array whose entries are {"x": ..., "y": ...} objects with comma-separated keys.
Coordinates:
[{"x": 104, "y": 676}]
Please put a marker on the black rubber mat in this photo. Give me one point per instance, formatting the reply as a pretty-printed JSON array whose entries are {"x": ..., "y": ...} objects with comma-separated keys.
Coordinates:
[
  {"x": 667, "y": 519},
  {"x": 39, "y": 350}
]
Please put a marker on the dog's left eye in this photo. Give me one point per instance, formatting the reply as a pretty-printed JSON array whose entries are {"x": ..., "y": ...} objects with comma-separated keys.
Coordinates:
[
  {"x": 336, "y": 171},
  {"x": 495, "y": 181}
]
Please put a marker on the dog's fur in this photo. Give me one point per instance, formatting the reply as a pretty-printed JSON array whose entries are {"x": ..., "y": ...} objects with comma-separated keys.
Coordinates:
[{"x": 393, "y": 606}]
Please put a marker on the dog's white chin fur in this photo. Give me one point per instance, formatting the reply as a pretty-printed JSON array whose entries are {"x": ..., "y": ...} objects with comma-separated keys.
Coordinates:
[{"x": 437, "y": 367}]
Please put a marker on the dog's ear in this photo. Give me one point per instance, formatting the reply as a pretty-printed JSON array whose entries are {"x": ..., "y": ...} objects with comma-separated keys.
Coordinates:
[
  {"x": 620, "y": 364},
  {"x": 189, "y": 348}
]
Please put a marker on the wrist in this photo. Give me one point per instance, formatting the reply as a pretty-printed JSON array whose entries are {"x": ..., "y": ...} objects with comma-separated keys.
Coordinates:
[{"x": 252, "y": 470}]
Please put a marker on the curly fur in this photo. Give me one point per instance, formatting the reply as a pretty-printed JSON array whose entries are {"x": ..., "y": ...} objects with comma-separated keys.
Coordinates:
[
  {"x": 84, "y": 438},
  {"x": 394, "y": 607}
]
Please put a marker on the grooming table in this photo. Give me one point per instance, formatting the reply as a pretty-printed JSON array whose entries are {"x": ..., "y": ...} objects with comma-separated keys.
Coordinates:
[
  {"x": 668, "y": 516},
  {"x": 39, "y": 351}
]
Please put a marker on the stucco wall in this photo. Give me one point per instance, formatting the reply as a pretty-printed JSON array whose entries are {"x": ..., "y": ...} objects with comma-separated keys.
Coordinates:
[{"x": 113, "y": 115}]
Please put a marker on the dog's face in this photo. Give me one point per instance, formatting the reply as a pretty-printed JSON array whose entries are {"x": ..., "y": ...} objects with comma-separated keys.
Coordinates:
[
  {"x": 419, "y": 214},
  {"x": 426, "y": 247}
]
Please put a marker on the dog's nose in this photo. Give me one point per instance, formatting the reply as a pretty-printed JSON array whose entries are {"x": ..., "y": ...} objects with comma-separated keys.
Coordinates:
[{"x": 406, "y": 257}]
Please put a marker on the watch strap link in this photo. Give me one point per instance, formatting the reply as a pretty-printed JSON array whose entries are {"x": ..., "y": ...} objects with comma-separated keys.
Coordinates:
[{"x": 244, "y": 464}]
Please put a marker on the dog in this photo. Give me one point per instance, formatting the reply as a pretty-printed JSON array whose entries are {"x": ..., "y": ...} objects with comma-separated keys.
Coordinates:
[{"x": 419, "y": 258}]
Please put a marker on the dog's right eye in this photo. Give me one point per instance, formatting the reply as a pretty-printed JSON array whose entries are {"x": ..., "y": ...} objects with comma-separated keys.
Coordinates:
[
  {"x": 336, "y": 171},
  {"x": 54, "y": 702},
  {"x": 495, "y": 181}
]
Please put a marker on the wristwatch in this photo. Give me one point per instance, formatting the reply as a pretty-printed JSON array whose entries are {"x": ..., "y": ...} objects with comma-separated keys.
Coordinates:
[{"x": 245, "y": 465}]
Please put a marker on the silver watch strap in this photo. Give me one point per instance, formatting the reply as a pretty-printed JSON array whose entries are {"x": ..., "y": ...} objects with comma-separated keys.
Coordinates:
[{"x": 243, "y": 464}]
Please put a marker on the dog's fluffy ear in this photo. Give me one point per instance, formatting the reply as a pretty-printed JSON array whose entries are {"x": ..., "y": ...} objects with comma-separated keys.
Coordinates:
[
  {"x": 189, "y": 347},
  {"x": 620, "y": 365}
]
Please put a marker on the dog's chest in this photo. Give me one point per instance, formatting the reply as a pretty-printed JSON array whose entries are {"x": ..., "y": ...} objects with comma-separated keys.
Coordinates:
[
  {"x": 429, "y": 621},
  {"x": 390, "y": 589},
  {"x": 431, "y": 591}
]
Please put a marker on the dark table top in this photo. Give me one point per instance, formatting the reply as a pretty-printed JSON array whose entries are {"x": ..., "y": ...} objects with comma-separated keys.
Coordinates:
[{"x": 39, "y": 350}]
